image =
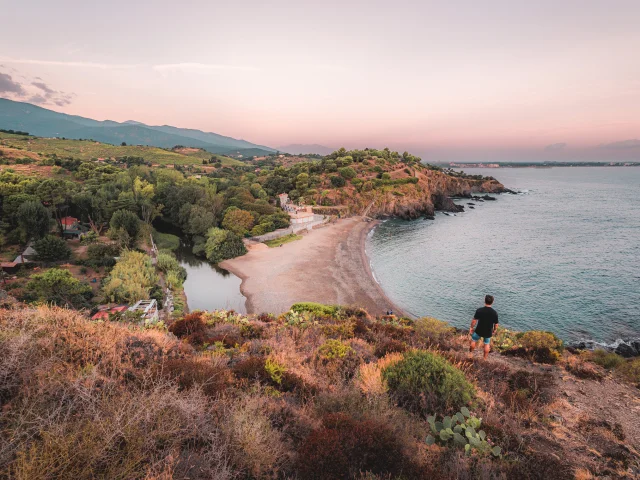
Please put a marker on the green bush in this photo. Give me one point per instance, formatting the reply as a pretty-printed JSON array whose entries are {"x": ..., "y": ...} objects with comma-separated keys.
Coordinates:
[
  {"x": 535, "y": 339},
  {"x": 333, "y": 349},
  {"x": 51, "y": 249},
  {"x": 347, "y": 172},
  {"x": 59, "y": 287},
  {"x": 630, "y": 370},
  {"x": 426, "y": 381},
  {"x": 315, "y": 308},
  {"x": 606, "y": 359},
  {"x": 222, "y": 245},
  {"x": 432, "y": 329},
  {"x": 337, "y": 181}
]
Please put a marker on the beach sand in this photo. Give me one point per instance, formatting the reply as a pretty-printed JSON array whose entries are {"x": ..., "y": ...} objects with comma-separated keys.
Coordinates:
[{"x": 328, "y": 265}]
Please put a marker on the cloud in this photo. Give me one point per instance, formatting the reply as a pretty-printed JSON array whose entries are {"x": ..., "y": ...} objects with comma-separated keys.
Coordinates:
[
  {"x": 622, "y": 145},
  {"x": 38, "y": 93},
  {"x": 8, "y": 85},
  {"x": 199, "y": 67},
  {"x": 554, "y": 147},
  {"x": 43, "y": 86},
  {"x": 57, "y": 63}
]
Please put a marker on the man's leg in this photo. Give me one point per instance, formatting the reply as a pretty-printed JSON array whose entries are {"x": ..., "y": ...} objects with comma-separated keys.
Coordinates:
[{"x": 487, "y": 347}]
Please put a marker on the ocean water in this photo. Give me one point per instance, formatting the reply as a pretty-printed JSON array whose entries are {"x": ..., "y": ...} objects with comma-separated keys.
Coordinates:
[{"x": 564, "y": 256}]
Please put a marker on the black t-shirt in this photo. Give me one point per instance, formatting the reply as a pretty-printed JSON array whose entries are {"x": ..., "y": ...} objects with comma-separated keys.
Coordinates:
[{"x": 486, "y": 317}]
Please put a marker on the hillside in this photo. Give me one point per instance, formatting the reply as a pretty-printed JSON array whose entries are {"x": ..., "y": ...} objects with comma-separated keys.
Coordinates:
[
  {"x": 48, "y": 123},
  {"x": 318, "y": 392},
  {"x": 14, "y": 145}
]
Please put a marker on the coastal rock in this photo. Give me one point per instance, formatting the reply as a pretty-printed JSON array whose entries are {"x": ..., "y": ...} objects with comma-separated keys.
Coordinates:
[
  {"x": 470, "y": 203},
  {"x": 446, "y": 204},
  {"x": 488, "y": 197},
  {"x": 627, "y": 351}
]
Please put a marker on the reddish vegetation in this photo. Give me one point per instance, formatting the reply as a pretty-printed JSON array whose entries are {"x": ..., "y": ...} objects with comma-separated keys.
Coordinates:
[{"x": 298, "y": 396}]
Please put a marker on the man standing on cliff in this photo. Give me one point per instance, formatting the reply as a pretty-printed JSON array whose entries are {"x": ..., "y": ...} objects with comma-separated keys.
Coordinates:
[{"x": 483, "y": 325}]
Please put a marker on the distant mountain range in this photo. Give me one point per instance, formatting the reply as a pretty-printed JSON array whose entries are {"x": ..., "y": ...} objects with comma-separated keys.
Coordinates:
[
  {"x": 300, "y": 148},
  {"x": 47, "y": 123}
]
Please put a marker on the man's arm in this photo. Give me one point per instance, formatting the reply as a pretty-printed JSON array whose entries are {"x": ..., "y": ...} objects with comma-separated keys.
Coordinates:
[{"x": 474, "y": 322}]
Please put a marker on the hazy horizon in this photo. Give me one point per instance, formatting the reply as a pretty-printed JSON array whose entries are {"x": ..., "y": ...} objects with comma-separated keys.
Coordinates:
[{"x": 457, "y": 82}]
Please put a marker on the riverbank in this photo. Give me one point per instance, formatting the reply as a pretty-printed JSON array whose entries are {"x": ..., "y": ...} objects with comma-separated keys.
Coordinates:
[{"x": 328, "y": 265}]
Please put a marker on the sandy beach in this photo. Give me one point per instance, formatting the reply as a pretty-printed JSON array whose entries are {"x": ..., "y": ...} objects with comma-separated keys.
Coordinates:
[{"x": 328, "y": 265}]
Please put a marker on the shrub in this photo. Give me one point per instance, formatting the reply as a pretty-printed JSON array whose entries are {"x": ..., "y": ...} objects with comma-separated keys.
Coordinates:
[
  {"x": 430, "y": 376},
  {"x": 534, "y": 339},
  {"x": 100, "y": 251},
  {"x": 606, "y": 359},
  {"x": 504, "y": 339},
  {"x": 347, "y": 172},
  {"x": 315, "y": 308},
  {"x": 432, "y": 329},
  {"x": 274, "y": 370},
  {"x": 332, "y": 349},
  {"x": 251, "y": 368},
  {"x": 188, "y": 325},
  {"x": 204, "y": 372},
  {"x": 337, "y": 181},
  {"x": 389, "y": 346},
  {"x": 630, "y": 370},
  {"x": 222, "y": 245},
  {"x": 131, "y": 279},
  {"x": 51, "y": 249},
  {"x": 59, "y": 287},
  {"x": 345, "y": 447}
]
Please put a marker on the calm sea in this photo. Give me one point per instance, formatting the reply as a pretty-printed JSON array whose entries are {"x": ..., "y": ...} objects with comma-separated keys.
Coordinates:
[{"x": 563, "y": 256}]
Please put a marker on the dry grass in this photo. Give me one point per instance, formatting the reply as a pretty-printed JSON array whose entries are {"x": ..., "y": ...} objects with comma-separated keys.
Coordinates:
[{"x": 109, "y": 400}]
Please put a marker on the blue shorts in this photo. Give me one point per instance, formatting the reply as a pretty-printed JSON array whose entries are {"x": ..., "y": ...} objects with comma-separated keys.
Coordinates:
[{"x": 475, "y": 337}]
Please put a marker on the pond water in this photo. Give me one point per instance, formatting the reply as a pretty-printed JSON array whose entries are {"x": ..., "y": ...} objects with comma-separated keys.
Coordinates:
[{"x": 209, "y": 287}]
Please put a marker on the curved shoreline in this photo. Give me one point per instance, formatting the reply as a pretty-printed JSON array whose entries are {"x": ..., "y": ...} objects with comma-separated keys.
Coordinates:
[{"x": 329, "y": 265}]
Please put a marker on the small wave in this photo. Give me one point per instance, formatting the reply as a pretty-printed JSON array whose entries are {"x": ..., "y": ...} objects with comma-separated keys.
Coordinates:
[
  {"x": 613, "y": 346},
  {"x": 373, "y": 273}
]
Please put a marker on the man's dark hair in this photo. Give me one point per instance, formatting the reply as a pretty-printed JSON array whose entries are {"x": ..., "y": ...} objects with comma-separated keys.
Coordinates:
[{"x": 488, "y": 299}]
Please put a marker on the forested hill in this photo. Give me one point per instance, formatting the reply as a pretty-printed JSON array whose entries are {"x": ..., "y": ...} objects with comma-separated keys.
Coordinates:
[{"x": 48, "y": 123}]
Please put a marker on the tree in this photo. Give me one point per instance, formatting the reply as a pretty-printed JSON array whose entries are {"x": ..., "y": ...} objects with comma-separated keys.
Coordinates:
[
  {"x": 123, "y": 144},
  {"x": 238, "y": 221},
  {"x": 59, "y": 287},
  {"x": 51, "y": 249},
  {"x": 125, "y": 227},
  {"x": 131, "y": 279},
  {"x": 347, "y": 172},
  {"x": 222, "y": 245},
  {"x": 337, "y": 181},
  {"x": 56, "y": 194},
  {"x": 34, "y": 219}
]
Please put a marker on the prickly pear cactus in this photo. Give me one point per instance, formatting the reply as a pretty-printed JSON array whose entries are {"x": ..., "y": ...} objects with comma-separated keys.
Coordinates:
[{"x": 463, "y": 430}]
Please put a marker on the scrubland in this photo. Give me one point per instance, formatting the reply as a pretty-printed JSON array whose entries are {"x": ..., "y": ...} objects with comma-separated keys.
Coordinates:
[{"x": 318, "y": 392}]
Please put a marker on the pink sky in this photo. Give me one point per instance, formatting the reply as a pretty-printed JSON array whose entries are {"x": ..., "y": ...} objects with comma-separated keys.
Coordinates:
[{"x": 462, "y": 79}]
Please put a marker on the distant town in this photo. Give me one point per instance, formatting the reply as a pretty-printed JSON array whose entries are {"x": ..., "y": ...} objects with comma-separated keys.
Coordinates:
[{"x": 539, "y": 164}]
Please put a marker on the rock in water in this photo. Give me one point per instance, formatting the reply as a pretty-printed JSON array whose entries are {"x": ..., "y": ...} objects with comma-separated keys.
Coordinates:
[{"x": 625, "y": 350}]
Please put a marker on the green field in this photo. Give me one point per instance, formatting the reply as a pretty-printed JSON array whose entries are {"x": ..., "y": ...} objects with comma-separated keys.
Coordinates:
[
  {"x": 88, "y": 150},
  {"x": 276, "y": 242}
]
